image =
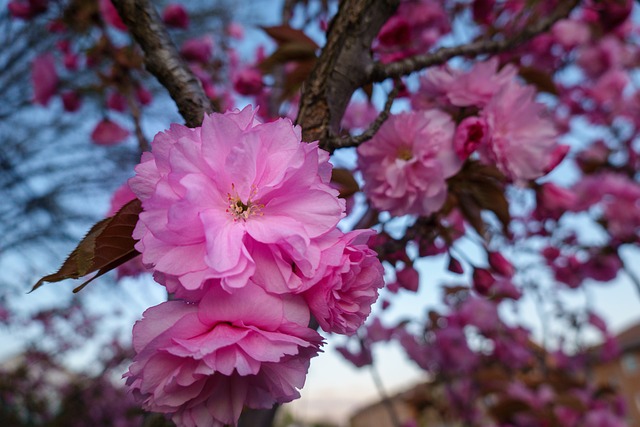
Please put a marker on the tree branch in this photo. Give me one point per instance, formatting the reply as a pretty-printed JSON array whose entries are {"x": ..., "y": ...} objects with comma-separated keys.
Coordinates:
[
  {"x": 380, "y": 72},
  {"x": 354, "y": 141},
  {"x": 163, "y": 60},
  {"x": 341, "y": 68}
]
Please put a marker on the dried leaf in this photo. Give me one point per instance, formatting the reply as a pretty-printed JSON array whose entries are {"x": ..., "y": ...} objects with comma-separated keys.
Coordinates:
[
  {"x": 540, "y": 79},
  {"x": 283, "y": 34},
  {"x": 107, "y": 245},
  {"x": 346, "y": 183},
  {"x": 480, "y": 187},
  {"x": 294, "y": 79},
  {"x": 294, "y": 51}
]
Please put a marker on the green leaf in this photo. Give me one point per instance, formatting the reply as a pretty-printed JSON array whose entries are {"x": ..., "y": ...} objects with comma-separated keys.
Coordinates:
[{"x": 107, "y": 245}]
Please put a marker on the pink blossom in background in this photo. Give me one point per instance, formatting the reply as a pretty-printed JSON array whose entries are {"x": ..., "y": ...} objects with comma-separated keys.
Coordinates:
[
  {"x": 198, "y": 49},
  {"x": 571, "y": 33},
  {"x": 483, "y": 11},
  {"x": 619, "y": 198},
  {"x": 202, "y": 363},
  {"x": 248, "y": 81},
  {"x": 451, "y": 86},
  {"x": 71, "y": 101},
  {"x": 27, "y": 9},
  {"x": 552, "y": 201},
  {"x": 117, "y": 102},
  {"x": 144, "y": 95},
  {"x": 405, "y": 164},
  {"x": 415, "y": 27},
  {"x": 223, "y": 200},
  {"x": 175, "y": 15},
  {"x": 609, "y": 87},
  {"x": 522, "y": 141},
  {"x": 121, "y": 197},
  {"x": 359, "y": 115},
  {"x": 44, "y": 78},
  {"x": 108, "y": 132},
  {"x": 341, "y": 300},
  {"x": 235, "y": 30},
  {"x": 110, "y": 15}
]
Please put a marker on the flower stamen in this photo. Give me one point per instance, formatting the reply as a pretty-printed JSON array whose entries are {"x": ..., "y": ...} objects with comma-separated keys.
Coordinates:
[{"x": 241, "y": 210}]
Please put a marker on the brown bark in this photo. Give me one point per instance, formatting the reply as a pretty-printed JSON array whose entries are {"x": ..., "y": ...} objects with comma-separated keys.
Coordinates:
[
  {"x": 344, "y": 66},
  {"x": 161, "y": 58}
]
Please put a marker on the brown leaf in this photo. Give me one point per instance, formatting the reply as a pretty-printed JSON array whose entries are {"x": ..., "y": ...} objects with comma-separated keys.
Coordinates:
[
  {"x": 294, "y": 51},
  {"x": 540, "y": 79},
  {"x": 294, "y": 79},
  {"x": 107, "y": 245},
  {"x": 480, "y": 187},
  {"x": 283, "y": 34},
  {"x": 347, "y": 185}
]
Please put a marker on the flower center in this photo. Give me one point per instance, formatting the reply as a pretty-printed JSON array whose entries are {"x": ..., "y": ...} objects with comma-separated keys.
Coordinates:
[
  {"x": 241, "y": 210},
  {"x": 404, "y": 153}
]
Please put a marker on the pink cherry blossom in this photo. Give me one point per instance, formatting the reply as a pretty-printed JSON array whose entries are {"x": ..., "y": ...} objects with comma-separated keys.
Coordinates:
[
  {"x": 414, "y": 28},
  {"x": 522, "y": 140},
  {"x": 619, "y": 198},
  {"x": 44, "y": 78},
  {"x": 408, "y": 278},
  {"x": 233, "y": 199},
  {"x": 451, "y": 86},
  {"x": 117, "y": 102},
  {"x": 202, "y": 363},
  {"x": 341, "y": 300},
  {"x": 359, "y": 115},
  {"x": 235, "y": 30},
  {"x": 571, "y": 33},
  {"x": 71, "y": 101},
  {"x": 27, "y": 9},
  {"x": 248, "y": 81},
  {"x": 406, "y": 163},
  {"x": 175, "y": 15},
  {"x": 198, "y": 49},
  {"x": 108, "y": 132}
]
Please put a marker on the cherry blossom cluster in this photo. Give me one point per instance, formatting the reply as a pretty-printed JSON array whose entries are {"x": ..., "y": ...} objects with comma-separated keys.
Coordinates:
[
  {"x": 239, "y": 223},
  {"x": 406, "y": 164}
]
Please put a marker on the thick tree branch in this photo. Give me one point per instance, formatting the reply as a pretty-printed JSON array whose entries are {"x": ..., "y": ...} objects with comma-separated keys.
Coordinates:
[
  {"x": 162, "y": 59},
  {"x": 380, "y": 72},
  {"x": 342, "y": 67}
]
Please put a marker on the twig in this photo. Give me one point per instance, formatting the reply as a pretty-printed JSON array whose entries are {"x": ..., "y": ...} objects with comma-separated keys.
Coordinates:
[
  {"x": 163, "y": 60},
  {"x": 380, "y": 72},
  {"x": 354, "y": 141}
]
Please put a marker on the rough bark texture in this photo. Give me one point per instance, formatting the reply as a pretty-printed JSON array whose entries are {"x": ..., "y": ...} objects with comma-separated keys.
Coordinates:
[
  {"x": 161, "y": 58},
  {"x": 344, "y": 66}
]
